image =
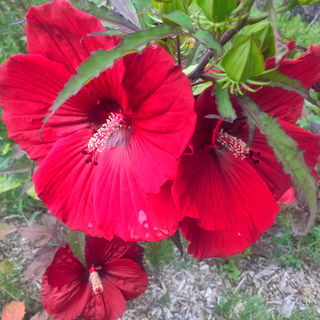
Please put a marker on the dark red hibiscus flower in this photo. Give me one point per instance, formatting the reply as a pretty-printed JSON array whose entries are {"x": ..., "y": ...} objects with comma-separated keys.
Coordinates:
[
  {"x": 114, "y": 274},
  {"x": 108, "y": 152},
  {"x": 227, "y": 193}
]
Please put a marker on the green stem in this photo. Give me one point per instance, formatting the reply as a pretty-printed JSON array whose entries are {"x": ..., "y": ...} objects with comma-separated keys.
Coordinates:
[{"x": 265, "y": 15}]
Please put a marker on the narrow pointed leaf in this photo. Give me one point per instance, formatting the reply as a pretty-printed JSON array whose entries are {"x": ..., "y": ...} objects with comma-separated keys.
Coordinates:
[
  {"x": 143, "y": 5},
  {"x": 19, "y": 168},
  {"x": 223, "y": 102},
  {"x": 180, "y": 18},
  {"x": 193, "y": 54},
  {"x": 206, "y": 38},
  {"x": 286, "y": 151},
  {"x": 128, "y": 10},
  {"x": 109, "y": 19},
  {"x": 280, "y": 48},
  {"x": 21, "y": 20},
  {"x": 101, "y": 60},
  {"x": 77, "y": 242},
  {"x": 279, "y": 80},
  {"x": 17, "y": 153},
  {"x": 103, "y": 33},
  {"x": 27, "y": 185}
]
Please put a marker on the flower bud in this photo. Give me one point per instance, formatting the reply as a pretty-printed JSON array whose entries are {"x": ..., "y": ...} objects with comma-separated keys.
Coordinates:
[
  {"x": 263, "y": 31},
  {"x": 244, "y": 60},
  {"x": 217, "y": 10}
]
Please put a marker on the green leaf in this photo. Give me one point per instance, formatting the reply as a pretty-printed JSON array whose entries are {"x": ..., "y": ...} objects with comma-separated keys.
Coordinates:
[
  {"x": 244, "y": 60},
  {"x": 109, "y": 19},
  {"x": 19, "y": 168},
  {"x": 180, "y": 18},
  {"x": 207, "y": 39},
  {"x": 101, "y": 60},
  {"x": 11, "y": 181},
  {"x": 77, "y": 242},
  {"x": 223, "y": 102},
  {"x": 201, "y": 87},
  {"x": 217, "y": 10},
  {"x": 174, "y": 5},
  {"x": 286, "y": 151},
  {"x": 264, "y": 32},
  {"x": 143, "y": 5},
  {"x": 193, "y": 54},
  {"x": 103, "y": 33},
  {"x": 128, "y": 10},
  {"x": 280, "y": 48},
  {"x": 279, "y": 80}
]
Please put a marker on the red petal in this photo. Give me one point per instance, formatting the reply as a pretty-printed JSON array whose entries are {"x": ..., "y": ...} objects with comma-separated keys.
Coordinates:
[
  {"x": 288, "y": 105},
  {"x": 227, "y": 194},
  {"x": 162, "y": 114},
  {"x": 29, "y": 85},
  {"x": 110, "y": 304},
  {"x": 64, "y": 268},
  {"x": 55, "y": 31},
  {"x": 222, "y": 243},
  {"x": 65, "y": 183},
  {"x": 163, "y": 119},
  {"x": 65, "y": 286},
  {"x": 268, "y": 168},
  {"x": 287, "y": 197},
  {"x": 127, "y": 276},
  {"x": 124, "y": 209},
  {"x": 100, "y": 250}
]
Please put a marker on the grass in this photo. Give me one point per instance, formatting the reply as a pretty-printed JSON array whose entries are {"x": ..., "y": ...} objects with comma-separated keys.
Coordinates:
[
  {"x": 243, "y": 307},
  {"x": 12, "y": 288}
]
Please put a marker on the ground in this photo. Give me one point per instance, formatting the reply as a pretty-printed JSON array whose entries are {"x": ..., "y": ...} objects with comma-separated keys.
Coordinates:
[{"x": 269, "y": 281}]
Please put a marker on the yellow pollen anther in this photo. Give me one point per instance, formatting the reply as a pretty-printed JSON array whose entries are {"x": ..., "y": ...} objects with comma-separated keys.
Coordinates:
[{"x": 235, "y": 145}]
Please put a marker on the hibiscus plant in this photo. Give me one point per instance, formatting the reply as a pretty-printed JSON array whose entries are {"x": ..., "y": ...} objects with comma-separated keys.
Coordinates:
[{"x": 143, "y": 119}]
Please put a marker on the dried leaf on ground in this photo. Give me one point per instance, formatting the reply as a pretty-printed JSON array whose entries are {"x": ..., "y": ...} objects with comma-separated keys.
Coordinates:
[
  {"x": 36, "y": 269},
  {"x": 49, "y": 221},
  {"x": 46, "y": 252},
  {"x": 5, "y": 229},
  {"x": 5, "y": 266},
  {"x": 14, "y": 311},
  {"x": 42, "y": 315},
  {"x": 36, "y": 234}
]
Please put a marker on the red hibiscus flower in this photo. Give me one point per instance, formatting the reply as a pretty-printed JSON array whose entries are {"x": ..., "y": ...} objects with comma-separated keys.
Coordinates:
[
  {"x": 114, "y": 274},
  {"x": 108, "y": 152},
  {"x": 227, "y": 193}
]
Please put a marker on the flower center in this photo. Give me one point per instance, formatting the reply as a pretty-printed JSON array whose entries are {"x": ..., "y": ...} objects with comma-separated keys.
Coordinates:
[
  {"x": 115, "y": 131},
  {"x": 95, "y": 280},
  {"x": 236, "y": 146}
]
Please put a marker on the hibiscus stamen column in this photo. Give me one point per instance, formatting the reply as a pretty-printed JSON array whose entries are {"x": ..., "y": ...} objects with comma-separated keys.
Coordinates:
[
  {"x": 236, "y": 146},
  {"x": 95, "y": 280},
  {"x": 101, "y": 138}
]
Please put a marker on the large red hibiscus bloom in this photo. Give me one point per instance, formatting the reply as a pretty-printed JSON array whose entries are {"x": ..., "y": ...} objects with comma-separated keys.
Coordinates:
[
  {"x": 113, "y": 275},
  {"x": 108, "y": 152},
  {"x": 227, "y": 193}
]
